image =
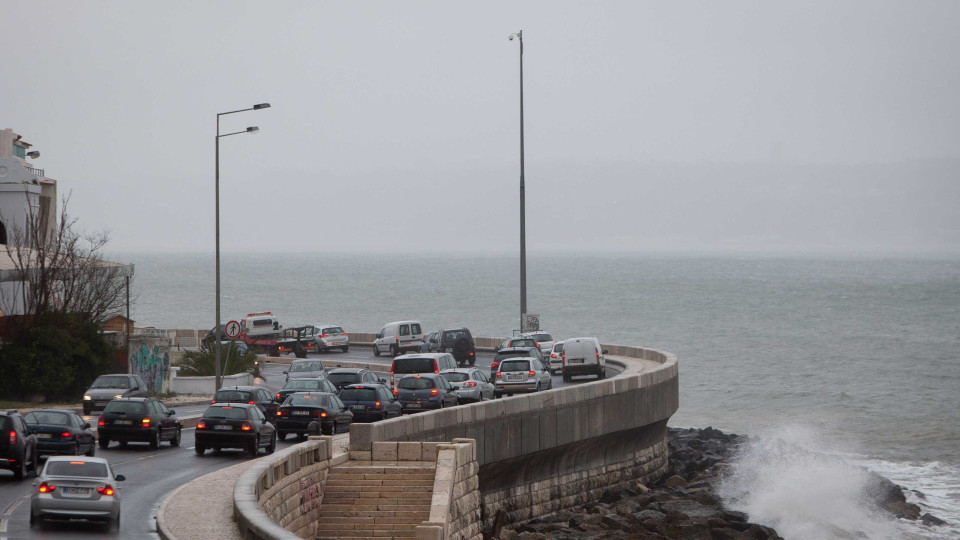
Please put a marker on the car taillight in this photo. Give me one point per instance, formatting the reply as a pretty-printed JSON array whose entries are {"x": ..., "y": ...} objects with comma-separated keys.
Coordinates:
[
  {"x": 323, "y": 414},
  {"x": 499, "y": 375},
  {"x": 283, "y": 413},
  {"x": 145, "y": 422},
  {"x": 532, "y": 373},
  {"x": 494, "y": 365},
  {"x": 553, "y": 355},
  {"x": 377, "y": 406},
  {"x": 13, "y": 437},
  {"x": 201, "y": 424},
  {"x": 435, "y": 368},
  {"x": 66, "y": 435},
  {"x": 396, "y": 392},
  {"x": 245, "y": 426},
  {"x": 598, "y": 356},
  {"x": 324, "y": 335},
  {"x": 251, "y": 403},
  {"x": 471, "y": 354},
  {"x": 434, "y": 392},
  {"x": 469, "y": 384},
  {"x": 398, "y": 339},
  {"x": 45, "y": 487},
  {"x": 343, "y": 334},
  {"x": 278, "y": 396},
  {"x": 101, "y": 422},
  {"x": 105, "y": 490}
]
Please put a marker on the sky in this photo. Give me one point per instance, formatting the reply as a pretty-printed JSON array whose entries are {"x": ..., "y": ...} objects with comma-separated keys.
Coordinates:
[{"x": 395, "y": 126}]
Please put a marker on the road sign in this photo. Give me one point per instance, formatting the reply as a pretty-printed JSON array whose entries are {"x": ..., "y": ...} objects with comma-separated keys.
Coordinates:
[
  {"x": 232, "y": 329},
  {"x": 530, "y": 322}
]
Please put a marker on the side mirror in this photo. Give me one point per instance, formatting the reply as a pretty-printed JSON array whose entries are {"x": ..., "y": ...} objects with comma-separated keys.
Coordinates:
[
  {"x": 383, "y": 381},
  {"x": 171, "y": 412},
  {"x": 606, "y": 351},
  {"x": 135, "y": 388},
  {"x": 86, "y": 424},
  {"x": 119, "y": 478},
  {"x": 286, "y": 372},
  {"x": 31, "y": 474},
  {"x": 454, "y": 387}
]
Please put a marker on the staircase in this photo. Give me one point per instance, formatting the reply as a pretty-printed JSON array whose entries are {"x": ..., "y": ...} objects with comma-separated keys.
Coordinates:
[{"x": 369, "y": 499}]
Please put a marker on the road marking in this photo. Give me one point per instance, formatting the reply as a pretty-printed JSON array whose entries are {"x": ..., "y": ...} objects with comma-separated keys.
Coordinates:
[
  {"x": 12, "y": 507},
  {"x": 3, "y": 525}
]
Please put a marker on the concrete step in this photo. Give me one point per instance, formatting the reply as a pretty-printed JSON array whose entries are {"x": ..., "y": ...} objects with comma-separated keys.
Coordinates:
[
  {"x": 374, "y": 481},
  {"x": 354, "y": 522},
  {"x": 336, "y": 474},
  {"x": 367, "y": 534},
  {"x": 344, "y": 488},
  {"x": 348, "y": 529},
  {"x": 396, "y": 508},
  {"x": 377, "y": 502}
]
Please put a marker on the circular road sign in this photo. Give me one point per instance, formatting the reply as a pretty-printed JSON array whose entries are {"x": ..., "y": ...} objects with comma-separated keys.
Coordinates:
[{"x": 232, "y": 329}]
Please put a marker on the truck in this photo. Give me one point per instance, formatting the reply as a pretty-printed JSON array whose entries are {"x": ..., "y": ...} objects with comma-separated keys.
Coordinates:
[{"x": 262, "y": 332}]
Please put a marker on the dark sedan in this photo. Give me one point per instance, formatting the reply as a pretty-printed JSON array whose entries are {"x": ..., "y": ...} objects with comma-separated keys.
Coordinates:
[
  {"x": 240, "y": 425},
  {"x": 342, "y": 377},
  {"x": 370, "y": 402},
  {"x": 253, "y": 395},
  {"x": 303, "y": 408},
  {"x": 424, "y": 392},
  {"x": 61, "y": 432},
  {"x": 304, "y": 385},
  {"x": 138, "y": 420}
]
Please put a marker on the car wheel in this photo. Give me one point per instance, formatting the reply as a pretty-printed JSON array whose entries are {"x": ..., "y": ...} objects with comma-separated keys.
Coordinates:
[
  {"x": 76, "y": 450},
  {"x": 473, "y": 361},
  {"x": 115, "y": 523},
  {"x": 345, "y": 348},
  {"x": 497, "y": 395},
  {"x": 253, "y": 448},
  {"x": 394, "y": 350},
  {"x": 103, "y": 442},
  {"x": 282, "y": 435},
  {"x": 175, "y": 441},
  {"x": 34, "y": 520},
  {"x": 199, "y": 449},
  {"x": 566, "y": 378},
  {"x": 538, "y": 387},
  {"x": 272, "y": 447},
  {"x": 86, "y": 411},
  {"x": 21, "y": 470},
  {"x": 93, "y": 449},
  {"x": 376, "y": 350},
  {"x": 155, "y": 440}
]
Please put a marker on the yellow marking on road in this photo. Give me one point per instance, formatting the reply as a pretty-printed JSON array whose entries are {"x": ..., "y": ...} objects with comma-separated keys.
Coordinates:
[{"x": 12, "y": 507}]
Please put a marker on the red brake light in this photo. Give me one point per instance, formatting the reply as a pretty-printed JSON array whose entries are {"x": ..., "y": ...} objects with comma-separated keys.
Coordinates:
[
  {"x": 324, "y": 335},
  {"x": 323, "y": 414},
  {"x": 434, "y": 392},
  {"x": 66, "y": 435},
  {"x": 499, "y": 375},
  {"x": 213, "y": 401},
  {"x": 343, "y": 334},
  {"x": 245, "y": 426},
  {"x": 376, "y": 406},
  {"x": 494, "y": 365},
  {"x": 13, "y": 437},
  {"x": 469, "y": 384},
  {"x": 251, "y": 403},
  {"x": 45, "y": 487},
  {"x": 201, "y": 424},
  {"x": 105, "y": 490},
  {"x": 278, "y": 396},
  {"x": 532, "y": 373},
  {"x": 145, "y": 422},
  {"x": 100, "y": 422},
  {"x": 396, "y": 392}
]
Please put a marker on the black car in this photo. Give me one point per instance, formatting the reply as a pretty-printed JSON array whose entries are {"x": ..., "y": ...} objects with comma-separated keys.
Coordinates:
[
  {"x": 18, "y": 447},
  {"x": 458, "y": 342},
  {"x": 61, "y": 432},
  {"x": 138, "y": 420},
  {"x": 341, "y": 377},
  {"x": 240, "y": 425},
  {"x": 513, "y": 352},
  {"x": 302, "y": 408},
  {"x": 303, "y": 385},
  {"x": 252, "y": 395},
  {"x": 370, "y": 402},
  {"x": 424, "y": 392}
]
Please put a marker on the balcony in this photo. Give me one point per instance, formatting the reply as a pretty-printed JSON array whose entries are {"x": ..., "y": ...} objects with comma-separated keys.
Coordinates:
[{"x": 38, "y": 172}]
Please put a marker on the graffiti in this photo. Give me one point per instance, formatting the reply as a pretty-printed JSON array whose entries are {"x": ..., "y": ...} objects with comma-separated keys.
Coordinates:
[{"x": 151, "y": 365}]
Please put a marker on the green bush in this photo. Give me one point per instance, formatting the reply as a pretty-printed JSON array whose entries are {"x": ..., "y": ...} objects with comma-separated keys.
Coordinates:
[{"x": 201, "y": 363}]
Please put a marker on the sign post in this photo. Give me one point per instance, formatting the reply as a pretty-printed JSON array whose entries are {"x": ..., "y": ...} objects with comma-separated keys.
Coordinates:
[
  {"x": 530, "y": 322},
  {"x": 232, "y": 329}
]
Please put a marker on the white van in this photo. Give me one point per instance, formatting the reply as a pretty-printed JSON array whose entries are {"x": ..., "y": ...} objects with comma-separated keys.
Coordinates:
[
  {"x": 420, "y": 364},
  {"x": 582, "y": 356},
  {"x": 398, "y": 337}
]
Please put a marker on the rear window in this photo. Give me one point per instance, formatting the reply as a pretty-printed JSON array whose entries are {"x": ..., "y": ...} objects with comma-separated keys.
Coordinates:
[
  {"x": 455, "y": 377},
  {"x": 414, "y": 383},
  {"x": 305, "y": 401},
  {"x": 128, "y": 407},
  {"x": 542, "y": 337},
  {"x": 343, "y": 378},
  {"x": 306, "y": 366},
  {"x": 302, "y": 384},
  {"x": 558, "y": 347},
  {"x": 525, "y": 342},
  {"x": 358, "y": 394},
  {"x": 515, "y": 365},
  {"x": 451, "y": 335},
  {"x": 76, "y": 468},
  {"x": 231, "y": 413},
  {"x": 233, "y": 395},
  {"x": 51, "y": 418},
  {"x": 413, "y": 365},
  {"x": 332, "y": 330},
  {"x": 4, "y": 423}
]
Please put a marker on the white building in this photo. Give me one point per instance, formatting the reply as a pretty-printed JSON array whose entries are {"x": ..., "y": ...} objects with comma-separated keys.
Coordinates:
[{"x": 24, "y": 190}]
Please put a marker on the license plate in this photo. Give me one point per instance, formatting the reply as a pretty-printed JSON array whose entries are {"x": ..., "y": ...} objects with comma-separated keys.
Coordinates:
[
  {"x": 225, "y": 428},
  {"x": 76, "y": 491},
  {"x": 515, "y": 377},
  {"x": 100, "y": 403},
  {"x": 414, "y": 405},
  {"x": 301, "y": 412},
  {"x": 44, "y": 435},
  {"x": 575, "y": 361},
  {"x": 123, "y": 422},
  {"x": 358, "y": 407}
]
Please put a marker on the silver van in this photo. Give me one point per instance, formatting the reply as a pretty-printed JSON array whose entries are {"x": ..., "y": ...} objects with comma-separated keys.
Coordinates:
[
  {"x": 420, "y": 364},
  {"x": 582, "y": 356},
  {"x": 398, "y": 337}
]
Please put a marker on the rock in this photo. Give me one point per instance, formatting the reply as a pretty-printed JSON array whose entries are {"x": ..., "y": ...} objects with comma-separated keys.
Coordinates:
[
  {"x": 724, "y": 534},
  {"x": 675, "y": 481},
  {"x": 579, "y": 520},
  {"x": 904, "y": 510},
  {"x": 531, "y": 536},
  {"x": 648, "y": 514},
  {"x": 561, "y": 516},
  {"x": 930, "y": 519},
  {"x": 732, "y": 515},
  {"x": 618, "y": 522},
  {"x": 610, "y": 496},
  {"x": 691, "y": 509}
]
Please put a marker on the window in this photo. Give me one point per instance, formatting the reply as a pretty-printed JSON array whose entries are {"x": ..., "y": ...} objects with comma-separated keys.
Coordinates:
[
  {"x": 76, "y": 468},
  {"x": 515, "y": 365},
  {"x": 414, "y": 383},
  {"x": 232, "y": 413},
  {"x": 415, "y": 328},
  {"x": 46, "y": 417},
  {"x": 127, "y": 407},
  {"x": 404, "y": 329},
  {"x": 333, "y": 330}
]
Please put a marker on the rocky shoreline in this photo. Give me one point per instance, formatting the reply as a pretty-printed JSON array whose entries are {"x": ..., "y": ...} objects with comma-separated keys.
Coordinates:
[{"x": 683, "y": 505}]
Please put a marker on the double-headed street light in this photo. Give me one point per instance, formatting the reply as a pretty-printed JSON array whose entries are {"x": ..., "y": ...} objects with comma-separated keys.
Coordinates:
[
  {"x": 523, "y": 229},
  {"x": 218, "y": 330}
]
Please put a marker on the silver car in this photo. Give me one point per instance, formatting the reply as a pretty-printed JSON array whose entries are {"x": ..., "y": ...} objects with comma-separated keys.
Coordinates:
[
  {"x": 330, "y": 336},
  {"x": 305, "y": 369},
  {"x": 555, "y": 357},
  {"x": 472, "y": 384},
  {"x": 544, "y": 340},
  {"x": 524, "y": 374},
  {"x": 70, "y": 487}
]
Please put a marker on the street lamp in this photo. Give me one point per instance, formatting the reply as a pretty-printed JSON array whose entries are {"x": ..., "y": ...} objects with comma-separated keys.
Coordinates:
[
  {"x": 217, "y": 329},
  {"x": 523, "y": 228}
]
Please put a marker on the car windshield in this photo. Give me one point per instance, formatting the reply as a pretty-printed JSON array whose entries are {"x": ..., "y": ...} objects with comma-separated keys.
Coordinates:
[
  {"x": 129, "y": 407},
  {"x": 49, "y": 418},
  {"x": 525, "y": 342},
  {"x": 343, "y": 378},
  {"x": 85, "y": 469},
  {"x": 306, "y": 366},
  {"x": 305, "y": 400},
  {"x": 358, "y": 394},
  {"x": 111, "y": 382},
  {"x": 515, "y": 365},
  {"x": 333, "y": 330},
  {"x": 413, "y": 365},
  {"x": 233, "y": 395},
  {"x": 456, "y": 377},
  {"x": 232, "y": 413},
  {"x": 302, "y": 384},
  {"x": 414, "y": 383}
]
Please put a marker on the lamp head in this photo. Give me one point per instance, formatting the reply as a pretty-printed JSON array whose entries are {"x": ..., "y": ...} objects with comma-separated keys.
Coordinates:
[
  {"x": 253, "y": 129},
  {"x": 33, "y": 154},
  {"x": 511, "y": 37},
  {"x": 259, "y": 106}
]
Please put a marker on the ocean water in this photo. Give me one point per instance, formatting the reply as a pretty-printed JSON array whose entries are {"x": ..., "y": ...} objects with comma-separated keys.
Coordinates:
[{"x": 854, "y": 358}]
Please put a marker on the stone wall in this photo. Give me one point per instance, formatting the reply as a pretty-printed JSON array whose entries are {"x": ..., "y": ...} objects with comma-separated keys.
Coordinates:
[{"x": 455, "y": 508}]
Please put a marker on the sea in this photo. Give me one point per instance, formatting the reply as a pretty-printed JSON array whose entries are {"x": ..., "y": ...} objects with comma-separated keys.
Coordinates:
[{"x": 832, "y": 365}]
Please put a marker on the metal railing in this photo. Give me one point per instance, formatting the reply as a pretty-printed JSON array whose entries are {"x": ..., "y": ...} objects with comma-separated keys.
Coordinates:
[{"x": 38, "y": 172}]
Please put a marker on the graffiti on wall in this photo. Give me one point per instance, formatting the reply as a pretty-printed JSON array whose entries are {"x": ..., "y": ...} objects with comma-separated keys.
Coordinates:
[{"x": 151, "y": 364}]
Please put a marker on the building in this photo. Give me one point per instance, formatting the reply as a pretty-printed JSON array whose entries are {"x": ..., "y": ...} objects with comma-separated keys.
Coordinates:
[{"x": 25, "y": 191}]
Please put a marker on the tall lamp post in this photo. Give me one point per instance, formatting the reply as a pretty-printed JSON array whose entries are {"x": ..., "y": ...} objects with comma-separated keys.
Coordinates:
[
  {"x": 218, "y": 330},
  {"x": 523, "y": 227}
]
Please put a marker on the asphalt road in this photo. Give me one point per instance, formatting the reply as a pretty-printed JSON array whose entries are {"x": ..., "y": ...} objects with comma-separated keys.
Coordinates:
[{"x": 152, "y": 474}]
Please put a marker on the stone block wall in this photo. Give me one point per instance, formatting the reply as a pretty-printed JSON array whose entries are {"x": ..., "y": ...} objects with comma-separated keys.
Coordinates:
[{"x": 455, "y": 507}]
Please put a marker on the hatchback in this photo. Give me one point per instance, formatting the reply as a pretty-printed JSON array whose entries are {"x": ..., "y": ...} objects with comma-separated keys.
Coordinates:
[
  {"x": 522, "y": 375},
  {"x": 252, "y": 395},
  {"x": 240, "y": 425},
  {"x": 341, "y": 377},
  {"x": 138, "y": 420},
  {"x": 556, "y": 358},
  {"x": 61, "y": 432},
  {"x": 370, "y": 402},
  {"x": 474, "y": 385},
  {"x": 544, "y": 340},
  {"x": 302, "y": 408},
  {"x": 18, "y": 447},
  {"x": 305, "y": 369},
  {"x": 425, "y": 392},
  {"x": 513, "y": 352},
  {"x": 331, "y": 336},
  {"x": 518, "y": 341},
  {"x": 71, "y": 487},
  {"x": 303, "y": 385}
]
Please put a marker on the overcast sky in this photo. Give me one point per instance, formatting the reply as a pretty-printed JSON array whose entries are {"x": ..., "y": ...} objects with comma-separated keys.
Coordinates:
[{"x": 395, "y": 125}]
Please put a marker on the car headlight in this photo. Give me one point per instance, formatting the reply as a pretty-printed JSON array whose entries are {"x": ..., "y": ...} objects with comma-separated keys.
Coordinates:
[
  {"x": 87, "y": 398},
  {"x": 118, "y": 396}
]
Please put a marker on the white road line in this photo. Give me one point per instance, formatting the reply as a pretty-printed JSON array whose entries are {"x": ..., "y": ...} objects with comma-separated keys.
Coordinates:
[
  {"x": 12, "y": 507},
  {"x": 3, "y": 525}
]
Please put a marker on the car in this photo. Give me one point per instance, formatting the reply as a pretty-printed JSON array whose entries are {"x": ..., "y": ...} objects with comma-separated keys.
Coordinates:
[
  {"x": 459, "y": 342},
  {"x": 138, "y": 420},
  {"x": 556, "y": 358},
  {"x": 331, "y": 336},
  {"x": 302, "y": 408},
  {"x": 253, "y": 395},
  {"x": 425, "y": 392},
  {"x": 422, "y": 363},
  {"x": 518, "y": 341},
  {"x": 544, "y": 340},
  {"x": 318, "y": 384},
  {"x": 239, "y": 425},
  {"x": 106, "y": 388},
  {"x": 583, "y": 356},
  {"x": 74, "y": 487},
  {"x": 18, "y": 447},
  {"x": 61, "y": 432},
  {"x": 370, "y": 402},
  {"x": 512, "y": 352},
  {"x": 431, "y": 342},
  {"x": 341, "y": 377},
  {"x": 474, "y": 385},
  {"x": 398, "y": 337},
  {"x": 522, "y": 374},
  {"x": 305, "y": 369}
]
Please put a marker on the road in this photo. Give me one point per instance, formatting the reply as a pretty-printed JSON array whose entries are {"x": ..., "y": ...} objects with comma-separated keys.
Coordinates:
[{"x": 152, "y": 474}]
